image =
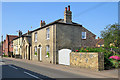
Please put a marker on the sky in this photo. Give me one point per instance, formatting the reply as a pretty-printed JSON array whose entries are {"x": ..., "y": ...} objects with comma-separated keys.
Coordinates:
[{"x": 94, "y": 16}]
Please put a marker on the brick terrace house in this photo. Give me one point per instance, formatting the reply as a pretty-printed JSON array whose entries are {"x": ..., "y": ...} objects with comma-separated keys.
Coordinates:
[
  {"x": 8, "y": 45},
  {"x": 57, "y": 35}
]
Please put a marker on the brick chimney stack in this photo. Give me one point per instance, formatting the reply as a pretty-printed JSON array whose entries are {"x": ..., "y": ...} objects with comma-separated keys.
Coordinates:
[
  {"x": 67, "y": 15},
  {"x": 20, "y": 33},
  {"x": 42, "y": 23}
]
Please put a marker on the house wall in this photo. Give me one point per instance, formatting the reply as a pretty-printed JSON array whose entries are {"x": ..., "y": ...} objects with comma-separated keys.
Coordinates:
[
  {"x": 70, "y": 37},
  {"x": 17, "y": 43},
  {"x": 43, "y": 42},
  {"x": 6, "y": 45},
  {"x": 89, "y": 60},
  {"x": 25, "y": 49}
]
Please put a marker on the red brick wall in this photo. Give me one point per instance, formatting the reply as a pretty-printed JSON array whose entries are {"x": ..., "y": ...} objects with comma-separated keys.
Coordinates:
[
  {"x": 10, "y": 47},
  {"x": 6, "y": 45}
]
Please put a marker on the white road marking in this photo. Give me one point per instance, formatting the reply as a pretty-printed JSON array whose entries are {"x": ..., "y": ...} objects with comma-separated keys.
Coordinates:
[
  {"x": 12, "y": 67},
  {"x": 32, "y": 75},
  {"x": 2, "y": 63}
]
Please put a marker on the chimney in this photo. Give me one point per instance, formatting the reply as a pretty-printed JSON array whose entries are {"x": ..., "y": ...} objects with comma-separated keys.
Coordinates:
[
  {"x": 42, "y": 23},
  {"x": 20, "y": 33},
  {"x": 68, "y": 7},
  {"x": 67, "y": 15},
  {"x": 98, "y": 38}
]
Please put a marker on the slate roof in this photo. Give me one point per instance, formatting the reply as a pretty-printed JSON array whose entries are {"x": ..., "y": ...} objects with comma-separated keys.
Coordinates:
[{"x": 59, "y": 21}]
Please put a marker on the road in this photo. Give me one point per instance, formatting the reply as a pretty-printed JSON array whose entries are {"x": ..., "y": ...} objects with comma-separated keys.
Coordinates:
[{"x": 17, "y": 70}]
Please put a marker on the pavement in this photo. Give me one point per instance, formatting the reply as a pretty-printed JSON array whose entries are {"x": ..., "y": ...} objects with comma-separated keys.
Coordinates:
[{"x": 36, "y": 69}]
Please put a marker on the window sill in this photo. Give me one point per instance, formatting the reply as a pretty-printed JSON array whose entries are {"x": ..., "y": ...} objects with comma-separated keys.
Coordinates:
[
  {"x": 83, "y": 39},
  {"x": 48, "y": 39}
]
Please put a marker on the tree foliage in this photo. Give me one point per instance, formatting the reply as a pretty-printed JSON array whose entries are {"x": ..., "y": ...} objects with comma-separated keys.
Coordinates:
[{"x": 111, "y": 35}]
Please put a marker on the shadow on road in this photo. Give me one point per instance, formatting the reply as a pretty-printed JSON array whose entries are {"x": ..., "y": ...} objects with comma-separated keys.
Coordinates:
[{"x": 12, "y": 72}]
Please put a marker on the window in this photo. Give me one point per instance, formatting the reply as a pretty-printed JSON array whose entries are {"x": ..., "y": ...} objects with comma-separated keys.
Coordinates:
[
  {"x": 35, "y": 50},
  {"x": 36, "y": 37},
  {"x": 48, "y": 49},
  {"x": 83, "y": 35},
  {"x": 48, "y": 33}
]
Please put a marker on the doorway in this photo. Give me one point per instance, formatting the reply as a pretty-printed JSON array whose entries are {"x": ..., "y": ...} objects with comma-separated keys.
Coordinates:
[{"x": 40, "y": 53}]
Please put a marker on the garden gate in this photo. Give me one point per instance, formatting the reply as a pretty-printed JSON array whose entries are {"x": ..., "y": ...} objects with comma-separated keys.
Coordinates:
[{"x": 64, "y": 56}]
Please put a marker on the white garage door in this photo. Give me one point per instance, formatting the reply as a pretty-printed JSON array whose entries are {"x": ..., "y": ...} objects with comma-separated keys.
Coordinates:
[{"x": 64, "y": 56}]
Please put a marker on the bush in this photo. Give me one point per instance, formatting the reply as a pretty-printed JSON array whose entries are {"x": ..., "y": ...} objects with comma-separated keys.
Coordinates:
[
  {"x": 115, "y": 63},
  {"x": 90, "y": 49},
  {"x": 5, "y": 56},
  {"x": 36, "y": 53},
  {"x": 48, "y": 54},
  {"x": 107, "y": 63}
]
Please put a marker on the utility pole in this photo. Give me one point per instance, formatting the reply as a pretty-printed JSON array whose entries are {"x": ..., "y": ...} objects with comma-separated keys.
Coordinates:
[{"x": 2, "y": 43}]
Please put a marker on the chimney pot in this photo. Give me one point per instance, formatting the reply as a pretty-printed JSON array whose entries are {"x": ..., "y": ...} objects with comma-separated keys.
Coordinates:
[
  {"x": 67, "y": 15},
  {"x": 68, "y": 7},
  {"x": 41, "y": 21},
  {"x": 98, "y": 38},
  {"x": 65, "y": 8}
]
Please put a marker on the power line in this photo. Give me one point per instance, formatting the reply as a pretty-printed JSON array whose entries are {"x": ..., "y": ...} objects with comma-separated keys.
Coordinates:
[{"x": 90, "y": 9}]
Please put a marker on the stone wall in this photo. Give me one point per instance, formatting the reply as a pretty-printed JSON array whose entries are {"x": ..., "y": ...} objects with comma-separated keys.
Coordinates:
[{"x": 89, "y": 60}]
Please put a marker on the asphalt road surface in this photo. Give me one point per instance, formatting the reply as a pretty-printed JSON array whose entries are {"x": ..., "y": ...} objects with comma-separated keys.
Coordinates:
[{"x": 16, "y": 70}]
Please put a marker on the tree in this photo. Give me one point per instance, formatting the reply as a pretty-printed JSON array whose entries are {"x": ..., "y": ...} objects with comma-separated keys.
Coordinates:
[{"x": 111, "y": 35}]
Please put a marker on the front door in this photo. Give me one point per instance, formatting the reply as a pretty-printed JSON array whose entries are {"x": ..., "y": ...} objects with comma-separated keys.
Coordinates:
[{"x": 40, "y": 54}]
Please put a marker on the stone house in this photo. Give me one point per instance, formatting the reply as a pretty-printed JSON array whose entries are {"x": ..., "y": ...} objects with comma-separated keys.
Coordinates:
[
  {"x": 8, "y": 45},
  {"x": 60, "y": 34},
  {"x": 22, "y": 46}
]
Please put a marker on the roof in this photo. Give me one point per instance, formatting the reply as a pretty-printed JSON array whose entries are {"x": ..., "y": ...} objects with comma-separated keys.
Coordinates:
[
  {"x": 24, "y": 35},
  {"x": 99, "y": 41},
  {"x": 60, "y": 21},
  {"x": 11, "y": 37}
]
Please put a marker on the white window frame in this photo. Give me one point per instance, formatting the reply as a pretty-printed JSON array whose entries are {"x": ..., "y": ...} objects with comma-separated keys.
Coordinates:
[
  {"x": 47, "y": 49},
  {"x": 83, "y": 35},
  {"x": 35, "y": 37},
  {"x": 48, "y": 33},
  {"x": 35, "y": 49}
]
